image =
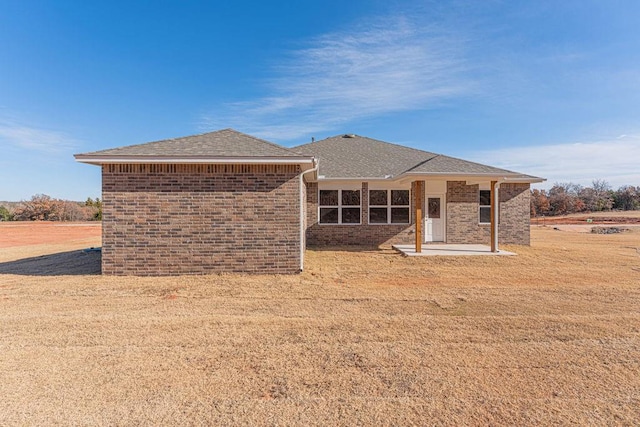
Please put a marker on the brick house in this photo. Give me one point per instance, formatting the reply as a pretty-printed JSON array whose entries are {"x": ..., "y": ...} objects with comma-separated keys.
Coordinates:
[{"x": 228, "y": 202}]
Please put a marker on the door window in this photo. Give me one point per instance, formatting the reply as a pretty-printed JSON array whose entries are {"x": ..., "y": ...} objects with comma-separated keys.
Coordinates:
[{"x": 433, "y": 207}]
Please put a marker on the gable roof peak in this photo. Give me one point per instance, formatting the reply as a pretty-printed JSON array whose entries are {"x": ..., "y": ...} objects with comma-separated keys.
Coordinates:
[{"x": 217, "y": 144}]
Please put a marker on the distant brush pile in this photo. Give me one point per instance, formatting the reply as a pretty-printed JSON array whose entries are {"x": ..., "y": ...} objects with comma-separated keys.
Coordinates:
[{"x": 608, "y": 230}]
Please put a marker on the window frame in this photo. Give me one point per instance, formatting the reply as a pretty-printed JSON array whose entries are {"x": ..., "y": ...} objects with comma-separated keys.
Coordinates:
[
  {"x": 389, "y": 206},
  {"x": 340, "y": 206},
  {"x": 480, "y": 206}
]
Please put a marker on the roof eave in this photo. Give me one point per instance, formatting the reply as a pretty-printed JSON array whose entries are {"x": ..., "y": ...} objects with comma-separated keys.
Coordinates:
[
  {"x": 466, "y": 176},
  {"x": 263, "y": 160},
  {"x": 433, "y": 175},
  {"x": 353, "y": 178},
  {"x": 530, "y": 180}
]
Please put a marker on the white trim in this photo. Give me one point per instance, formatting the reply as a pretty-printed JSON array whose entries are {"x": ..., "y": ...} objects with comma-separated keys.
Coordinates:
[
  {"x": 99, "y": 160},
  {"x": 443, "y": 214},
  {"x": 322, "y": 179},
  {"x": 412, "y": 176},
  {"x": 303, "y": 211},
  {"x": 484, "y": 206},
  {"x": 470, "y": 174}
]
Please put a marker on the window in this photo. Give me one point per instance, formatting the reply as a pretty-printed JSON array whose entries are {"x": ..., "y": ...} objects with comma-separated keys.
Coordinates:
[
  {"x": 389, "y": 206},
  {"x": 339, "y": 207},
  {"x": 433, "y": 207},
  {"x": 485, "y": 206}
]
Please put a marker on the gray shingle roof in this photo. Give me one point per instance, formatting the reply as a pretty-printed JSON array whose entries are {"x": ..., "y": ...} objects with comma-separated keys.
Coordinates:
[
  {"x": 354, "y": 156},
  {"x": 361, "y": 157},
  {"x": 446, "y": 164},
  {"x": 222, "y": 143}
]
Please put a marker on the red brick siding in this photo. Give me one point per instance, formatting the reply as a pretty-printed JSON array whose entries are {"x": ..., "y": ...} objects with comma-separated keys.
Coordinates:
[
  {"x": 199, "y": 219},
  {"x": 515, "y": 214},
  {"x": 462, "y": 214}
]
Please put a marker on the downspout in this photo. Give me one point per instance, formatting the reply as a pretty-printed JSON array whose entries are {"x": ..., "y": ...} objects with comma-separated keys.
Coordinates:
[
  {"x": 302, "y": 212},
  {"x": 496, "y": 215}
]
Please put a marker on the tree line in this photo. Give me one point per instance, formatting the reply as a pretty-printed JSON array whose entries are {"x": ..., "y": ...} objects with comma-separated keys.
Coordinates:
[
  {"x": 42, "y": 207},
  {"x": 568, "y": 198}
]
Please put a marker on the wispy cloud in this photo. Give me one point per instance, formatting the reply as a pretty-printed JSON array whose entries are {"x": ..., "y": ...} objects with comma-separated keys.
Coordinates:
[
  {"x": 16, "y": 134},
  {"x": 615, "y": 160},
  {"x": 373, "y": 69}
]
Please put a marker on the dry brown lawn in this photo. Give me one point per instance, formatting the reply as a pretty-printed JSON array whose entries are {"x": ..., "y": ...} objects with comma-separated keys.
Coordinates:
[{"x": 551, "y": 336}]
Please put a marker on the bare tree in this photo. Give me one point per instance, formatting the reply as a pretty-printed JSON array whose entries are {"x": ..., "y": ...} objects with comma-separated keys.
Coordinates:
[
  {"x": 564, "y": 199},
  {"x": 627, "y": 198},
  {"x": 539, "y": 202},
  {"x": 42, "y": 207}
]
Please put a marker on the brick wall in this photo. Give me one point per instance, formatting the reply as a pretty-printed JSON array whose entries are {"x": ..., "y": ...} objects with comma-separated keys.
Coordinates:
[
  {"x": 462, "y": 219},
  {"x": 199, "y": 219},
  {"x": 363, "y": 234},
  {"x": 462, "y": 214},
  {"x": 515, "y": 214}
]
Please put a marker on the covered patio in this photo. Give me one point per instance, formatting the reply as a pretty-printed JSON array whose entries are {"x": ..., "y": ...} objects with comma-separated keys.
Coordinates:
[{"x": 420, "y": 248}]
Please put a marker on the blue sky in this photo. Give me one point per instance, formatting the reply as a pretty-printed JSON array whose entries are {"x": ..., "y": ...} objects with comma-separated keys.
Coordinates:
[{"x": 548, "y": 88}]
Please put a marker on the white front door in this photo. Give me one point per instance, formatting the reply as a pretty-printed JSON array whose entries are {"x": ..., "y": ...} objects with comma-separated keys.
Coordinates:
[{"x": 434, "y": 219}]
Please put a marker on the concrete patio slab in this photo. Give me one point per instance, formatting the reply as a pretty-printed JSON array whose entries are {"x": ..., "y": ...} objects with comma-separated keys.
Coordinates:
[{"x": 449, "y": 250}]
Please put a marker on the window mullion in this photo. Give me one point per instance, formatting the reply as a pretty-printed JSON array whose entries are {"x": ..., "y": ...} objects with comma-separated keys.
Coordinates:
[
  {"x": 339, "y": 207},
  {"x": 389, "y": 202}
]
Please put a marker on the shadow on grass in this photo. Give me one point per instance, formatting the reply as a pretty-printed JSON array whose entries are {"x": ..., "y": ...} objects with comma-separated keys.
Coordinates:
[{"x": 73, "y": 263}]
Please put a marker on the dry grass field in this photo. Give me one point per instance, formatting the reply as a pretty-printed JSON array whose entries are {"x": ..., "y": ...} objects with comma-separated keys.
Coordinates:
[
  {"x": 610, "y": 217},
  {"x": 551, "y": 336}
]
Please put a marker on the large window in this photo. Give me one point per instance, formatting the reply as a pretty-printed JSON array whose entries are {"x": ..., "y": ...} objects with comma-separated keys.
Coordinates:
[
  {"x": 485, "y": 207},
  {"x": 389, "y": 207},
  {"x": 339, "y": 207}
]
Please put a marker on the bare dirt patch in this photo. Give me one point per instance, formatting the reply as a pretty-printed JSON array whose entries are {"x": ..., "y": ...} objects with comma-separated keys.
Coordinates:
[
  {"x": 49, "y": 248},
  {"x": 591, "y": 218},
  {"x": 19, "y": 233},
  {"x": 585, "y": 222},
  {"x": 551, "y": 336}
]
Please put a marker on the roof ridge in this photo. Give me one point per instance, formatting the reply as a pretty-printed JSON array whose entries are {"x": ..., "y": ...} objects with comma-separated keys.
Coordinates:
[
  {"x": 261, "y": 140},
  {"x": 435, "y": 155},
  {"x": 371, "y": 139},
  {"x": 477, "y": 163}
]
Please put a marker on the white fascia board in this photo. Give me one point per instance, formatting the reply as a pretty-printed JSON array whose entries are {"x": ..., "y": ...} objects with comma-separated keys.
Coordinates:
[
  {"x": 474, "y": 177},
  {"x": 524, "y": 180},
  {"x": 321, "y": 178},
  {"x": 471, "y": 177},
  {"x": 105, "y": 160}
]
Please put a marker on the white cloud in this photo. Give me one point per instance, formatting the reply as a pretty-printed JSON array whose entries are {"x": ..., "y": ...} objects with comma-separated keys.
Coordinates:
[
  {"x": 377, "y": 68},
  {"x": 33, "y": 138},
  {"x": 615, "y": 160}
]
